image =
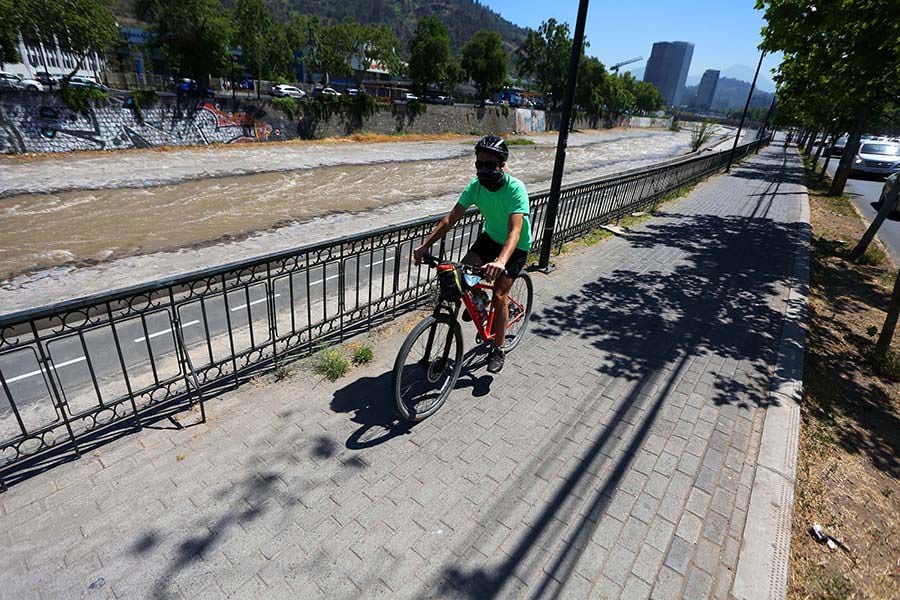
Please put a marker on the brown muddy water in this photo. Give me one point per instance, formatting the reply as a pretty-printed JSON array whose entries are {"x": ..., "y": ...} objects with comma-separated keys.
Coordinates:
[{"x": 84, "y": 227}]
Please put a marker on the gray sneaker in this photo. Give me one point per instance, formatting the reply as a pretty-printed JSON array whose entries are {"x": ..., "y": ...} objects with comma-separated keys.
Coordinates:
[{"x": 495, "y": 360}]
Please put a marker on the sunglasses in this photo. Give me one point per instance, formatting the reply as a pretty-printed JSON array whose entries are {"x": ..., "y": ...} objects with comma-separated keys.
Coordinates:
[{"x": 487, "y": 164}]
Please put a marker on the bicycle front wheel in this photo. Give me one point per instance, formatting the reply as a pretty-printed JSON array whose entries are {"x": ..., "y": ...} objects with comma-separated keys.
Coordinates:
[
  {"x": 427, "y": 367},
  {"x": 521, "y": 298}
]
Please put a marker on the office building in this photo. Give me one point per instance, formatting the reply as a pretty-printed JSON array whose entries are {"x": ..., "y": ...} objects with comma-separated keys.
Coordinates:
[
  {"x": 707, "y": 88},
  {"x": 667, "y": 69}
]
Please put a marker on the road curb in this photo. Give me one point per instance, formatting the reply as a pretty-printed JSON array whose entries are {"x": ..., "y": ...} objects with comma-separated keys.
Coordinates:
[{"x": 762, "y": 567}]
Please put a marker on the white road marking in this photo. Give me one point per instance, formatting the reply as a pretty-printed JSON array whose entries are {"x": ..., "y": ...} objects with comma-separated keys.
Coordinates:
[
  {"x": 41, "y": 370},
  {"x": 164, "y": 332},
  {"x": 252, "y": 303}
]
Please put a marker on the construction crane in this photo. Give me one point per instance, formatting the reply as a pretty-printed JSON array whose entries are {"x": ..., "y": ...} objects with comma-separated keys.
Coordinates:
[{"x": 615, "y": 67}]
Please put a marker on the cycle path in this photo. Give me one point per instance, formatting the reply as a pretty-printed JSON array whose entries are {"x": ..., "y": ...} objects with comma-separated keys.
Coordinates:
[{"x": 614, "y": 457}]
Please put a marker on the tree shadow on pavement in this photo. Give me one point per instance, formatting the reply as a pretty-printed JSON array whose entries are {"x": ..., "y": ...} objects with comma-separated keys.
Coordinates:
[{"x": 713, "y": 306}]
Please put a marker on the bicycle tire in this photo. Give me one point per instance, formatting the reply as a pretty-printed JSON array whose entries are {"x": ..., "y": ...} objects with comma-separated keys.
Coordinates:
[
  {"x": 405, "y": 399},
  {"x": 513, "y": 340}
]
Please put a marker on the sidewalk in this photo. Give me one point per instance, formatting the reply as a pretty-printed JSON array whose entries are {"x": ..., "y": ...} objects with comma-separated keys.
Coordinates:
[{"x": 614, "y": 457}]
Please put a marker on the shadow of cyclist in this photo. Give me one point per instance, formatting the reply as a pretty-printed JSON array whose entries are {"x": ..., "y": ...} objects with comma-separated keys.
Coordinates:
[{"x": 371, "y": 400}]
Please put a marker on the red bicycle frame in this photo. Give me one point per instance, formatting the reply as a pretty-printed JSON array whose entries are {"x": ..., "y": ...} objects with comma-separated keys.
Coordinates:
[{"x": 486, "y": 329}]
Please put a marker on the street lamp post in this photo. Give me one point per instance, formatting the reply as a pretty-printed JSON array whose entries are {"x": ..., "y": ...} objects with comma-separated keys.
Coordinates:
[
  {"x": 562, "y": 141},
  {"x": 744, "y": 114}
]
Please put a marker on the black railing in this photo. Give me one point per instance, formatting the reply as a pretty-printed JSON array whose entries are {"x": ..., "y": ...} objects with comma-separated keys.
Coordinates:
[{"x": 71, "y": 370}]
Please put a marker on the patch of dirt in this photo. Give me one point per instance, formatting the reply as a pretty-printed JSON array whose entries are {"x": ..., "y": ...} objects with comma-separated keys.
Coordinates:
[{"x": 848, "y": 466}]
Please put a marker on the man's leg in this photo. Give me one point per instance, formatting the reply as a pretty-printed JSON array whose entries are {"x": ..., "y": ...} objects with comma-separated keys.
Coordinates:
[{"x": 500, "y": 302}]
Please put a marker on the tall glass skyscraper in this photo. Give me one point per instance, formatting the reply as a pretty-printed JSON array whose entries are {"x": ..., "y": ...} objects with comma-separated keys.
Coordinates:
[{"x": 667, "y": 69}]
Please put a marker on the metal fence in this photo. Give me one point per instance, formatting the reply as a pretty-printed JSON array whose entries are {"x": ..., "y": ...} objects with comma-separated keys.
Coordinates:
[{"x": 71, "y": 371}]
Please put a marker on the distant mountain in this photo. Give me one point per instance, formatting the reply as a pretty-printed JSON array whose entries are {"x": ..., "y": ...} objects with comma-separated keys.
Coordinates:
[
  {"x": 731, "y": 94},
  {"x": 745, "y": 73},
  {"x": 463, "y": 18}
]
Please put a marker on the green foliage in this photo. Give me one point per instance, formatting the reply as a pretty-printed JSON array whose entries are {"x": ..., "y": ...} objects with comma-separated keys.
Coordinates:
[
  {"x": 519, "y": 142},
  {"x": 646, "y": 97},
  {"x": 264, "y": 43},
  {"x": 331, "y": 364},
  {"x": 702, "y": 133},
  {"x": 140, "y": 100},
  {"x": 485, "y": 61},
  {"x": 414, "y": 108},
  {"x": 429, "y": 53},
  {"x": 363, "y": 354},
  {"x": 590, "y": 85},
  {"x": 358, "y": 108},
  {"x": 676, "y": 125},
  {"x": 84, "y": 25},
  {"x": 839, "y": 59},
  {"x": 545, "y": 54},
  {"x": 81, "y": 99},
  {"x": 873, "y": 256},
  {"x": 288, "y": 106},
  {"x": 193, "y": 34},
  {"x": 616, "y": 95},
  {"x": 10, "y": 24}
]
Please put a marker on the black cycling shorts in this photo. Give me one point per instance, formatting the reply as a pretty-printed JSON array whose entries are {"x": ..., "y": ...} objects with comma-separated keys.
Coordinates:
[{"x": 486, "y": 250}]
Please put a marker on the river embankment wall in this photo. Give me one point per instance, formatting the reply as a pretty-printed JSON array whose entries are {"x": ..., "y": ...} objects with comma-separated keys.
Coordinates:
[{"x": 42, "y": 122}]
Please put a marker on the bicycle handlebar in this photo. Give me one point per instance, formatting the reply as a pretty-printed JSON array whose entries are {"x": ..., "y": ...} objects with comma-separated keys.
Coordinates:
[{"x": 433, "y": 261}]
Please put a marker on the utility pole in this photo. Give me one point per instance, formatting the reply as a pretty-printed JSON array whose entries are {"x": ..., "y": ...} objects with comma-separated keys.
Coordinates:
[
  {"x": 562, "y": 140},
  {"x": 744, "y": 114}
]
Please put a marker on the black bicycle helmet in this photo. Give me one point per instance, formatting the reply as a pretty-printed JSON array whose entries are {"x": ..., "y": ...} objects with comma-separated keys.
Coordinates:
[{"x": 495, "y": 145}]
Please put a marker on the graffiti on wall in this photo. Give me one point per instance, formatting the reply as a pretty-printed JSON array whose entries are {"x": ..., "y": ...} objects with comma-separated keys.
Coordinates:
[
  {"x": 530, "y": 121},
  {"x": 53, "y": 127}
]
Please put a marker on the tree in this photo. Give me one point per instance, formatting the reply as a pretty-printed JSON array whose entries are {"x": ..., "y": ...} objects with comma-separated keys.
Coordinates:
[
  {"x": 616, "y": 97},
  {"x": 251, "y": 28},
  {"x": 545, "y": 55},
  {"x": 10, "y": 24},
  {"x": 590, "y": 85},
  {"x": 377, "y": 44},
  {"x": 80, "y": 27},
  {"x": 453, "y": 76},
  {"x": 848, "y": 48},
  {"x": 193, "y": 34},
  {"x": 485, "y": 61},
  {"x": 646, "y": 97},
  {"x": 429, "y": 53}
]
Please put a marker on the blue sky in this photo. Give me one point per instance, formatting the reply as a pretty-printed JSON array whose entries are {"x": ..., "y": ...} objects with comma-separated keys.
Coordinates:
[{"x": 724, "y": 32}]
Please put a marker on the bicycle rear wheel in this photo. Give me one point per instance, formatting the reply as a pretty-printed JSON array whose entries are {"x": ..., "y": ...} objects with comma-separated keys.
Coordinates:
[
  {"x": 427, "y": 367},
  {"x": 521, "y": 299}
]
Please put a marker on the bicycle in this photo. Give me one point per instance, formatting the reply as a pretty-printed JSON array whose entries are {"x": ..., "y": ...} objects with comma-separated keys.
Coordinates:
[{"x": 430, "y": 359}]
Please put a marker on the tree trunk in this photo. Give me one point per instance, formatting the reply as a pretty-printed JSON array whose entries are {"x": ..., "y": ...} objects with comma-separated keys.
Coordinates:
[
  {"x": 811, "y": 141},
  {"x": 819, "y": 151},
  {"x": 843, "y": 170},
  {"x": 883, "y": 345},
  {"x": 886, "y": 207},
  {"x": 830, "y": 153}
]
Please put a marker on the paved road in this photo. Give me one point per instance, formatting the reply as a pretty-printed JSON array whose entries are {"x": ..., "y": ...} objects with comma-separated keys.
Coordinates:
[
  {"x": 864, "y": 193},
  {"x": 614, "y": 457}
]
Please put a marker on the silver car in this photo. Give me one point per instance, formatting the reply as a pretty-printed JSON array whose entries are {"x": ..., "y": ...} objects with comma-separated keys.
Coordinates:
[
  {"x": 17, "y": 82},
  {"x": 888, "y": 186},
  {"x": 877, "y": 158}
]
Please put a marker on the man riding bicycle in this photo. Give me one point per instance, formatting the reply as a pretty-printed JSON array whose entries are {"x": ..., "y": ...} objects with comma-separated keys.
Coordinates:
[{"x": 506, "y": 239}]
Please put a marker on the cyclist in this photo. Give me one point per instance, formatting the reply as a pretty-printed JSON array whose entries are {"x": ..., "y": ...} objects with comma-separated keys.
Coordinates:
[{"x": 506, "y": 239}]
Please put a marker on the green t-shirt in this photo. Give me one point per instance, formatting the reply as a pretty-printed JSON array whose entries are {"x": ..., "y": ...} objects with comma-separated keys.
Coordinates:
[{"x": 497, "y": 206}]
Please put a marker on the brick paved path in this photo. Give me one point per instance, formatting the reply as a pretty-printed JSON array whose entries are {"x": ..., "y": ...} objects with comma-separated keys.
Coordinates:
[{"x": 613, "y": 458}]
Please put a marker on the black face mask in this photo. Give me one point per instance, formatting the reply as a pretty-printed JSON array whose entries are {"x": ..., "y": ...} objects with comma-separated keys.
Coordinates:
[{"x": 492, "y": 180}]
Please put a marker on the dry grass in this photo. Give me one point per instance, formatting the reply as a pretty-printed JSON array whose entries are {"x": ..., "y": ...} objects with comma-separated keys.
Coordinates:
[{"x": 847, "y": 476}]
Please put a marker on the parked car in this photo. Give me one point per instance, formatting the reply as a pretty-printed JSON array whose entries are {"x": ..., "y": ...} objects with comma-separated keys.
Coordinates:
[
  {"x": 877, "y": 158},
  {"x": 81, "y": 81},
  {"x": 17, "y": 82},
  {"x": 408, "y": 96},
  {"x": 839, "y": 146},
  {"x": 287, "y": 91},
  {"x": 439, "y": 99},
  {"x": 46, "y": 78},
  {"x": 326, "y": 91},
  {"x": 355, "y": 92},
  {"x": 889, "y": 184},
  {"x": 189, "y": 87}
]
